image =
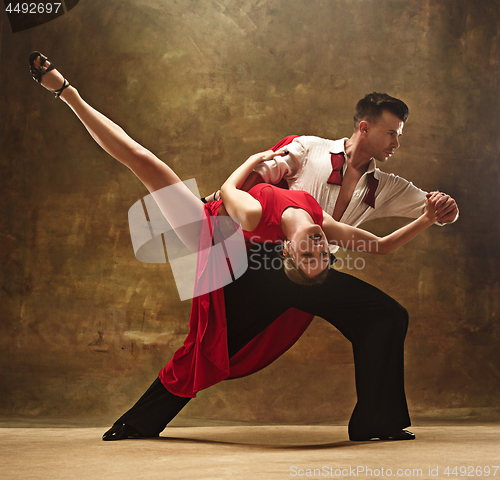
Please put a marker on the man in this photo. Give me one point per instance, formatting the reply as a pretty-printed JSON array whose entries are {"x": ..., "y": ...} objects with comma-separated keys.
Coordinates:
[{"x": 342, "y": 176}]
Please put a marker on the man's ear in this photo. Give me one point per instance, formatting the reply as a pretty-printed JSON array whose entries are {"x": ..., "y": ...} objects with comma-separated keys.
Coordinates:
[{"x": 363, "y": 127}]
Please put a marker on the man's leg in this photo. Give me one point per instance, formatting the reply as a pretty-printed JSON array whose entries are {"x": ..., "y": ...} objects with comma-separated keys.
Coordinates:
[
  {"x": 373, "y": 322},
  {"x": 376, "y": 325}
]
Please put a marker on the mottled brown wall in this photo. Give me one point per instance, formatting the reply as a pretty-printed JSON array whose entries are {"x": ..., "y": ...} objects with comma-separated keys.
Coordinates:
[{"x": 85, "y": 327}]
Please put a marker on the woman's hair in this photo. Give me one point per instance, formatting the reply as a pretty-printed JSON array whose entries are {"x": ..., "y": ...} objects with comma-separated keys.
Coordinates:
[{"x": 298, "y": 276}]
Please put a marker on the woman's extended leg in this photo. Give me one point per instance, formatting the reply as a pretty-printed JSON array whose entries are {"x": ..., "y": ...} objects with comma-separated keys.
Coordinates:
[{"x": 177, "y": 203}]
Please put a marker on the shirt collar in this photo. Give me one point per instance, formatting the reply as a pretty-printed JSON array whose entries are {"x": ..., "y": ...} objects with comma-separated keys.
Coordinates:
[
  {"x": 338, "y": 147},
  {"x": 372, "y": 168}
]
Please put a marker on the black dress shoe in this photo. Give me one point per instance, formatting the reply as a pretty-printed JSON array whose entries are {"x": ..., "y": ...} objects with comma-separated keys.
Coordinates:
[
  {"x": 400, "y": 435},
  {"x": 121, "y": 431}
]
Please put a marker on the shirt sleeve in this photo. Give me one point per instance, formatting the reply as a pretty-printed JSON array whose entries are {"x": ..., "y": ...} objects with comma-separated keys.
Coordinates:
[
  {"x": 399, "y": 198},
  {"x": 285, "y": 167}
]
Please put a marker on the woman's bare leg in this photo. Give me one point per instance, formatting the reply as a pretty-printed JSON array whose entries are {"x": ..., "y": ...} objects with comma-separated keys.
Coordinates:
[{"x": 177, "y": 203}]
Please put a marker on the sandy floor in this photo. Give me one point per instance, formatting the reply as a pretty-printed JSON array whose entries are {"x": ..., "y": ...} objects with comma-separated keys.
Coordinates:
[{"x": 248, "y": 452}]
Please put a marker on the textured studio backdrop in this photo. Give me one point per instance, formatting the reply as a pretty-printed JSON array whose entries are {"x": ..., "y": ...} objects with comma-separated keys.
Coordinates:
[{"x": 85, "y": 327}]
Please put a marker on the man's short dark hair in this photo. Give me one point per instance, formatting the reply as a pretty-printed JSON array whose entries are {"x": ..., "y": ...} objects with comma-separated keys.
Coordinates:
[{"x": 372, "y": 105}]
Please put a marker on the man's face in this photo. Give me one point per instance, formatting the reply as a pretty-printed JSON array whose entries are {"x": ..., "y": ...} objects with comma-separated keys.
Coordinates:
[{"x": 383, "y": 136}]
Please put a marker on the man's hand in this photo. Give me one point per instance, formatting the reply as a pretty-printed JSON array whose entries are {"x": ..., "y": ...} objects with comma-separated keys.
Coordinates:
[{"x": 446, "y": 208}]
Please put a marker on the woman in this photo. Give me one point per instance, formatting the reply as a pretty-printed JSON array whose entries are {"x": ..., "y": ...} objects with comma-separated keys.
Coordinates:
[
  {"x": 305, "y": 228},
  {"x": 265, "y": 214}
]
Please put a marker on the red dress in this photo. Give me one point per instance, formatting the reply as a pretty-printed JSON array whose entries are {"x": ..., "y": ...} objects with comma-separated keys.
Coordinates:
[
  {"x": 274, "y": 201},
  {"x": 203, "y": 359}
]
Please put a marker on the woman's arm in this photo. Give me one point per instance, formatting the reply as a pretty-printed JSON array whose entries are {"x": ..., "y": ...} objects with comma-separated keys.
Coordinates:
[
  {"x": 239, "y": 204},
  {"x": 359, "y": 240}
]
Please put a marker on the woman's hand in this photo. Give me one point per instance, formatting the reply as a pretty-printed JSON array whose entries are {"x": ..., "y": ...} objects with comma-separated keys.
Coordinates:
[
  {"x": 240, "y": 204},
  {"x": 432, "y": 201},
  {"x": 264, "y": 156},
  {"x": 238, "y": 177}
]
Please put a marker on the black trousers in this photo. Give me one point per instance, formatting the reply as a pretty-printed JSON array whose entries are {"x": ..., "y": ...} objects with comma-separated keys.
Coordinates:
[{"x": 372, "y": 321}]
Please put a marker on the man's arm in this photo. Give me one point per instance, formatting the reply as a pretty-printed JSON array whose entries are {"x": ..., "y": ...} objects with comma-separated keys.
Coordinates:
[{"x": 400, "y": 198}]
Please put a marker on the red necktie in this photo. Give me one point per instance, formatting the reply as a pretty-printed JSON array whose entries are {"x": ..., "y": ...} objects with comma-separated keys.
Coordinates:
[
  {"x": 372, "y": 188},
  {"x": 338, "y": 161}
]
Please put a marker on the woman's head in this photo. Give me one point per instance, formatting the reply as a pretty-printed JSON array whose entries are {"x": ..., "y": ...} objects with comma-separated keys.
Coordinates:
[{"x": 306, "y": 255}]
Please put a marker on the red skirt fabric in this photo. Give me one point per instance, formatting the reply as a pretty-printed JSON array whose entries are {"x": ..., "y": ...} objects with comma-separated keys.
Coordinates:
[{"x": 203, "y": 359}]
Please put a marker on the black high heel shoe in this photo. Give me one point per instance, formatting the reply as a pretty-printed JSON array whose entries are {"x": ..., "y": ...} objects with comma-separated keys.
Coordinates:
[{"x": 38, "y": 72}]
